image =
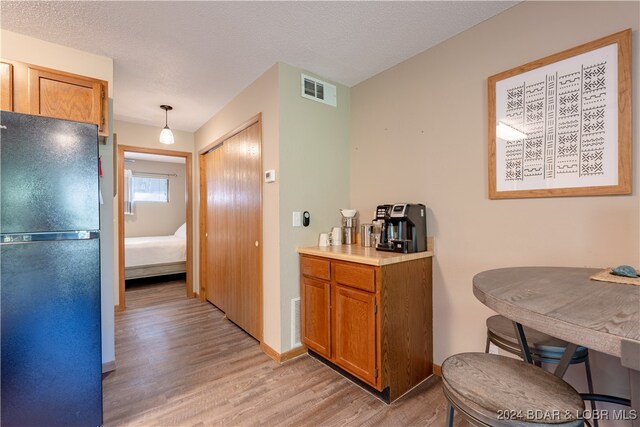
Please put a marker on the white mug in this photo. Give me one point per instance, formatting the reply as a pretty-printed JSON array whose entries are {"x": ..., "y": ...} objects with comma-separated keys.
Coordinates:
[
  {"x": 324, "y": 240},
  {"x": 336, "y": 236}
]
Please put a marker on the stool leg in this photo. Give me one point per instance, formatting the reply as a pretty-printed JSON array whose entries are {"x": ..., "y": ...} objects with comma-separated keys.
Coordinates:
[
  {"x": 522, "y": 340},
  {"x": 486, "y": 347},
  {"x": 587, "y": 367},
  {"x": 450, "y": 416}
]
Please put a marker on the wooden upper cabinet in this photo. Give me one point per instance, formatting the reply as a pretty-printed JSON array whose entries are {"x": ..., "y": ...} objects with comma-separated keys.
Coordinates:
[
  {"x": 67, "y": 96},
  {"x": 31, "y": 89},
  {"x": 6, "y": 86}
]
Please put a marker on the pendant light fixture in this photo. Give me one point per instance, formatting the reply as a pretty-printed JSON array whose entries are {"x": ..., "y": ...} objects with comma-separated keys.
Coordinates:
[{"x": 166, "y": 136}]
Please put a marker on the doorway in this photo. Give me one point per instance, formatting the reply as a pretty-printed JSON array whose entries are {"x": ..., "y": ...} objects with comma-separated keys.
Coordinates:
[
  {"x": 186, "y": 230},
  {"x": 231, "y": 225}
]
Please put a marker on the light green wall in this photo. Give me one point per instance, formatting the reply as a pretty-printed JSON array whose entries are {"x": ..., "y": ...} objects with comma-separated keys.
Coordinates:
[{"x": 313, "y": 176}]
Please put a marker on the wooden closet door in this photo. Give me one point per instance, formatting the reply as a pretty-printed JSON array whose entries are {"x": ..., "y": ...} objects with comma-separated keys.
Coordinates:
[
  {"x": 243, "y": 166},
  {"x": 217, "y": 230},
  {"x": 233, "y": 267}
]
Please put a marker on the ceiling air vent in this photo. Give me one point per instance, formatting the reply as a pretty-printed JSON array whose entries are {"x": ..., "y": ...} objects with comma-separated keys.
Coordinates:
[{"x": 318, "y": 90}]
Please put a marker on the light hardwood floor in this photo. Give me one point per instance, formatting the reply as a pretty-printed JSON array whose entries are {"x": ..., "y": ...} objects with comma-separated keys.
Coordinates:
[{"x": 179, "y": 363}]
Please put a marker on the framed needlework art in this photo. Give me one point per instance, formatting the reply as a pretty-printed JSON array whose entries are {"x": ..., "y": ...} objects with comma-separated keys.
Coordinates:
[{"x": 561, "y": 125}]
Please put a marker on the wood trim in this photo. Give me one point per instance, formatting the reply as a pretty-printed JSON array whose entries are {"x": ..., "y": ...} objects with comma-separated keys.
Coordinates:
[
  {"x": 623, "y": 39},
  {"x": 109, "y": 366},
  {"x": 121, "y": 302},
  {"x": 437, "y": 370},
  {"x": 189, "y": 213},
  {"x": 270, "y": 352},
  {"x": 282, "y": 357},
  {"x": 189, "y": 197},
  {"x": 7, "y": 86},
  {"x": 255, "y": 119},
  {"x": 202, "y": 227},
  {"x": 20, "y": 86},
  {"x": 258, "y": 119}
]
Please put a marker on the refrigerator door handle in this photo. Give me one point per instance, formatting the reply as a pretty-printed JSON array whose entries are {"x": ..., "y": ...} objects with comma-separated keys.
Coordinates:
[{"x": 47, "y": 237}]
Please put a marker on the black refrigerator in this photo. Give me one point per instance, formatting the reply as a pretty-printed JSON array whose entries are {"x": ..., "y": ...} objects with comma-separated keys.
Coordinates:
[{"x": 49, "y": 272}]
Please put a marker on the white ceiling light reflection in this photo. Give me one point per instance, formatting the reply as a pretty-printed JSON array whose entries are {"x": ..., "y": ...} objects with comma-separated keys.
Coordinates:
[{"x": 508, "y": 133}]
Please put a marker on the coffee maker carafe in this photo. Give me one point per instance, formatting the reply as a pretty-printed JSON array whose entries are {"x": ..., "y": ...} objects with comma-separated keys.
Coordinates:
[{"x": 404, "y": 228}]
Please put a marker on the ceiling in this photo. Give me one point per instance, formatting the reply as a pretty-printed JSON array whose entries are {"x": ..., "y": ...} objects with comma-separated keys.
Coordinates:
[{"x": 197, "y": 56}]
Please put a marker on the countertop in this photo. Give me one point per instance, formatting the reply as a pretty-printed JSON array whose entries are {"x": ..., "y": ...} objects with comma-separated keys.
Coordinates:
[{"x": 365, "y": 255}]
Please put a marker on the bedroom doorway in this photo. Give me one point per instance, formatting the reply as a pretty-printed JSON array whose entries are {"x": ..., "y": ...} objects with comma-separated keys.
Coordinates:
[{"x": 160, "y": 241}]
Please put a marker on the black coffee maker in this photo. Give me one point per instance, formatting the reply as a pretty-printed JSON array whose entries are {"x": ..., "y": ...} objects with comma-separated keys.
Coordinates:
[{"x": 404, "y": 228}]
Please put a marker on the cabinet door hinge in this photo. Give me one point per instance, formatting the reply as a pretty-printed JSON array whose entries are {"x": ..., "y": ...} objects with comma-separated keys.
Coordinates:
[
  {"x": 375, "y": 373},
  {"x": 375, "y": 308},
  {"x": 102, "y": 94}
]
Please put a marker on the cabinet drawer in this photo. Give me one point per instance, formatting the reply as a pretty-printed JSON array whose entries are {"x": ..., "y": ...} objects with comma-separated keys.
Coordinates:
[
  {"x": 356, "y": 276},
  {"x": 314, "y": 267}
]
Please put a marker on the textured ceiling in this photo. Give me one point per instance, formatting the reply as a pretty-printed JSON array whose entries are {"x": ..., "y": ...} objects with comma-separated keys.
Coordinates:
[{"x": 197, "y": 56}]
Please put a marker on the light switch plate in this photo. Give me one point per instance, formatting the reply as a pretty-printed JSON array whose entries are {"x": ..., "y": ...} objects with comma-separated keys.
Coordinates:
[{"x": 297, "y": 219}]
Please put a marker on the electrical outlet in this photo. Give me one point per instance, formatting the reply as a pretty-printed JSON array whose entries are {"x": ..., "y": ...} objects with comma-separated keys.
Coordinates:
[{"x": 270, "y": 175}]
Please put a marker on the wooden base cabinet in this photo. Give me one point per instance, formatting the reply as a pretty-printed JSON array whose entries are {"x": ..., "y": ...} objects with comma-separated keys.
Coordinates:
[
  {"x": 317, "y": 327},
  {"x": 355, "y": 332},
  {"x": 374, "y": 322}
]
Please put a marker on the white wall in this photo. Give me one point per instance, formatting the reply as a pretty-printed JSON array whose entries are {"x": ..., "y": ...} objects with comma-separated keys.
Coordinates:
[
  {"x": 18, "y": 47},
  {"x": 426, "y": 121},
  {"x": 144, "y": 136},
  {"x": 153, "y": 218}
]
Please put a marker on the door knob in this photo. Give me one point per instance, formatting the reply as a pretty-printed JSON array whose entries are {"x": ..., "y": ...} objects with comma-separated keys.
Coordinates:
[{"x": 257, "y": 244}]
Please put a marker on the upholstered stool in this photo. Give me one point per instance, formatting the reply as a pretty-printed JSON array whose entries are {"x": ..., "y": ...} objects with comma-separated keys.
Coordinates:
[
  {"x": 492, "y": 390},
  {"x": 543, "y": 348}
]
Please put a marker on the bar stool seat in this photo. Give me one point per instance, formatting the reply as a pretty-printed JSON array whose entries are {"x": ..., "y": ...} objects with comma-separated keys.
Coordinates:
[
  {"x": 544, "y": 348},
  {"x": 492, "y": 390}
]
